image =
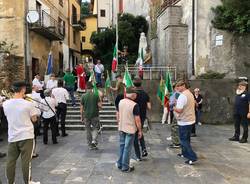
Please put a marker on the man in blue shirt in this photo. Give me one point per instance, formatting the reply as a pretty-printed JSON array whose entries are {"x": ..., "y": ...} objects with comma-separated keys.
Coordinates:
[{"x": 241, "y": 112}]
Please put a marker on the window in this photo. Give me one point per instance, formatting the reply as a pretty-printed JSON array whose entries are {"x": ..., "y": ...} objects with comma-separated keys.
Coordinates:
[
  {"x": 61, "y": 27},
  {"x": 83, "y": 39},
  {"x": 38, "y": 7},
  {"x": 74, "y": 15},
  {"x": 74, "y": 36},
  {"x": 103, "y": 13},
  {"x": 61, "y": 3}
]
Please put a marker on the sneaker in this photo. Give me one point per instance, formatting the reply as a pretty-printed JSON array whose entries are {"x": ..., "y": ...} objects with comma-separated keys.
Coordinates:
[
  {"x": 116, "y": 165},
  {"x": 130, "y": 169},
  {"x": 234, "y": 138},
  {"x": 2, "y": 155},
  {"x": 34, "y": 182},
  {"x": 190, "y": 162},
  {"x": 199, "y": 123},
  {"x": 193, "y": 135},
  {"x": 174, "y": 146},
  {"x": 94, "y": 146},
  {"x": 243, "y": 141},
  {"x": 163, "y": 123},
  {"x": 180, "y": 155},
  {"x": 64, "y": 135},
  {"x": 35, "y": 155},
  {"x": 144, "y": 153},
  {"x": 169, "y": 138}
]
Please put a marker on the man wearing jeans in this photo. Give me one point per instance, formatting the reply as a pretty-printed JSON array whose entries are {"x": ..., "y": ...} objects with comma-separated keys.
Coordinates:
[
  {"x": 185, "y": 115},
  {"x": 128, "y": 117},
  {"x": 99, "y": 69},
  {"x": 90, "y": 104}
]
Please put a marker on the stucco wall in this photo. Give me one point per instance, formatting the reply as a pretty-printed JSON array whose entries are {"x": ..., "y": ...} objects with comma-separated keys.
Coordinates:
[
  {"x": 12, "y": 24},
  {"x": 137, "y": 7}
]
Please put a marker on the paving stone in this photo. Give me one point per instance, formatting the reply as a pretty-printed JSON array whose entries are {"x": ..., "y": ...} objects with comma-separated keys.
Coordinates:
[{"x": 71, "y": 162}]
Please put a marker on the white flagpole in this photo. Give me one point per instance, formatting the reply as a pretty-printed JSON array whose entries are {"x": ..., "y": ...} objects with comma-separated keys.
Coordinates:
[{"x": 117, "y": 37}]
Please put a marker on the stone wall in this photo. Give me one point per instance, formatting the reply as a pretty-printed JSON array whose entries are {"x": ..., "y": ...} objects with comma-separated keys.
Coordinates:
[
  {"x": 170, "y": 48},
  {"x": 232, "y": 57},
  {"x": 218, "y": 100},
  {"x": 11, "y": 69}
]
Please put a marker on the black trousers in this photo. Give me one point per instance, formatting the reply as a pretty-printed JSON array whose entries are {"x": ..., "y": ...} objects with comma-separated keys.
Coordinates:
[
  {"x": 61, "y": 115},
  {"x": 52, "y": 123},
  {"x": 141, "y": 141},
  {"x": 241, "y": 120}
]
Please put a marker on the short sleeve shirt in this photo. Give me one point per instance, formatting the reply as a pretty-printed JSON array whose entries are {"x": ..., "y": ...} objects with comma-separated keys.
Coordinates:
[
  {"x": 89, "y": 102},
  {"x": 242, "y": 103},
  {"x": 19, "y": 113},
  {"x": 181, "y": 102},
  {"x": 142, "y": 100}
]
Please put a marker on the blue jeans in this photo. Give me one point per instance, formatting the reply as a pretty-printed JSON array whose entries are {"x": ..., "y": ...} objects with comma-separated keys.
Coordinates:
[
  {"x": 197, "y": 115},
  {"x": 184, "y": 133},
  {"x": 126, "y": 143},
  {"x": 98, "y": 77},
  {"x": 71, "y": 93}
]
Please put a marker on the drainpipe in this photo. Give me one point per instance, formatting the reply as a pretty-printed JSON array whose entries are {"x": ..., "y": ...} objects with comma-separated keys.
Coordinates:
[
  {"x": 193, "y": 36},
  {"x": 26, "y": 43}
]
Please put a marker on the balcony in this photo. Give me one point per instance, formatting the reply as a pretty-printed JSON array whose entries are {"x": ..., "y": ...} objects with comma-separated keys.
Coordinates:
[
  {"x": 48, "y": 27},
  {"x": 77, "y": 24}
]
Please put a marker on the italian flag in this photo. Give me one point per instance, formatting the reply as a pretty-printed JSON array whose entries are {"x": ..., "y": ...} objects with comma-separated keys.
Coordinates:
[
  {"x": 168, "y": 85},
  {"x": 127, "y": 81},
  {"x": 161, "y": 91},
  {"x": 114, "y": 62}
]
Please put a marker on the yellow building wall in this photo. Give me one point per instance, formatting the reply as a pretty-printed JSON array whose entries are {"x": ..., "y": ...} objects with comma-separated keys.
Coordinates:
[
  {"x": 75, "y": 46},
  {"x": 91, "y": 26}
]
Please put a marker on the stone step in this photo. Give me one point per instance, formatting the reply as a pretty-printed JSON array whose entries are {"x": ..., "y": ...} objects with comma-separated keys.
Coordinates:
[
  {"x": 82, "y": 127},
  {"x": 78, "y": 116},
  {"x": 107, "y": 111},
  {"x": 102, "y": 121}
]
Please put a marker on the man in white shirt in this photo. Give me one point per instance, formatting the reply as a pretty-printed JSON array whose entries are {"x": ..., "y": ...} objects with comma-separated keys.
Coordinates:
[
  {"x": 39, "y": 84},
  {"x": 49, "y": 116},
  {"x": 52, "y": 83},
  {"x": 99, "y": 69},
  {"x": 20, "y": 114},
  {"x": 61, "y": 95},
  {"x": 185, "y": 115}
]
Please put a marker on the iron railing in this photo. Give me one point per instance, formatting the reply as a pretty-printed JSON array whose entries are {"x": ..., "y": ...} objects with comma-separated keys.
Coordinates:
[
  {"x": 48, "y": 26},
  {"x": 77, "y": 22}
]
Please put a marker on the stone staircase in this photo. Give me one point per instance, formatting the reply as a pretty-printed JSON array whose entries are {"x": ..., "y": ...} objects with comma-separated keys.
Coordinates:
[{"x": 107, "y": 116}]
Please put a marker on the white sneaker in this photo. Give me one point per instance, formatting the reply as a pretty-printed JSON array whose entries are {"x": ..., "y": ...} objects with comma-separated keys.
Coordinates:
[
  {"x": 169, "y": 138},
  {"x": 162, "y": 122},
  {"x": 34, "y": 182},
  {"x": 199, "y": 123}
]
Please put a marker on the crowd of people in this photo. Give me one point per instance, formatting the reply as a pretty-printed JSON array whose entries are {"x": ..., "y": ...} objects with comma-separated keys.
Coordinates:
[{"x": 182, "y": 109}]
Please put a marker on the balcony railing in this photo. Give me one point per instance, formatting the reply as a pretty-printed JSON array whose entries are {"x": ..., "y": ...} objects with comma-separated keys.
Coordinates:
[
  {"x": 168, "y": 3},
  {"x": 77, "y": 24},
  {"x": 48, "y": 27}
]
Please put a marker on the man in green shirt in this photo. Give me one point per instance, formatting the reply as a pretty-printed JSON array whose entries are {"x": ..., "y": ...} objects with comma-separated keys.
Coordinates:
[
  {"x": 69, "y": 80},
  {"x": 90, "y": 104}
]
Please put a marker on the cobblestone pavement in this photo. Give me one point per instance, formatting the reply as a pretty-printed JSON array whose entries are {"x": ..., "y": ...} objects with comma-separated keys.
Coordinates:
[{"x": 70, "y": 162}]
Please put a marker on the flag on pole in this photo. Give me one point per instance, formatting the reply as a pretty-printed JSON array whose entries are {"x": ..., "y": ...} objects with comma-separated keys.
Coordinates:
[
  {"x": 107, "y": 82},
  {"x": 168, "y": 85},
  {"x": 161, "y": 91},
  {"x": 92, "y": 79},
  {"x": 127, "y": 79},
  {"x": 114, "y": 62},
  {"x": 50, "y": 64}
]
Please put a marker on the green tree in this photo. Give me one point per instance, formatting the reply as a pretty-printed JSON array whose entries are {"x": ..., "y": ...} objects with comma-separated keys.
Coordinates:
[
  {"x": 85, "y": 9},
  {"x": 233, "y": 16},
  {"x": 129, "y": 31}
]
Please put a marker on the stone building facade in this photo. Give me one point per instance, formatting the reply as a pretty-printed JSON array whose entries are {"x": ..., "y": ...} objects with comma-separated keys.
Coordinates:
[
  {"x": 57, "y": 31},
  {"x": 213, "y": 50}
]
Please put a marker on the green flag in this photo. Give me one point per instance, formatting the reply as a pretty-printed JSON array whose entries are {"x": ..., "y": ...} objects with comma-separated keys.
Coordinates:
[
  {"x": 161, "y": 91},
  {"x": 168, "y": 85},
  {"x": 127, "y": 79},
  {"x": 107, "y": 82}
]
